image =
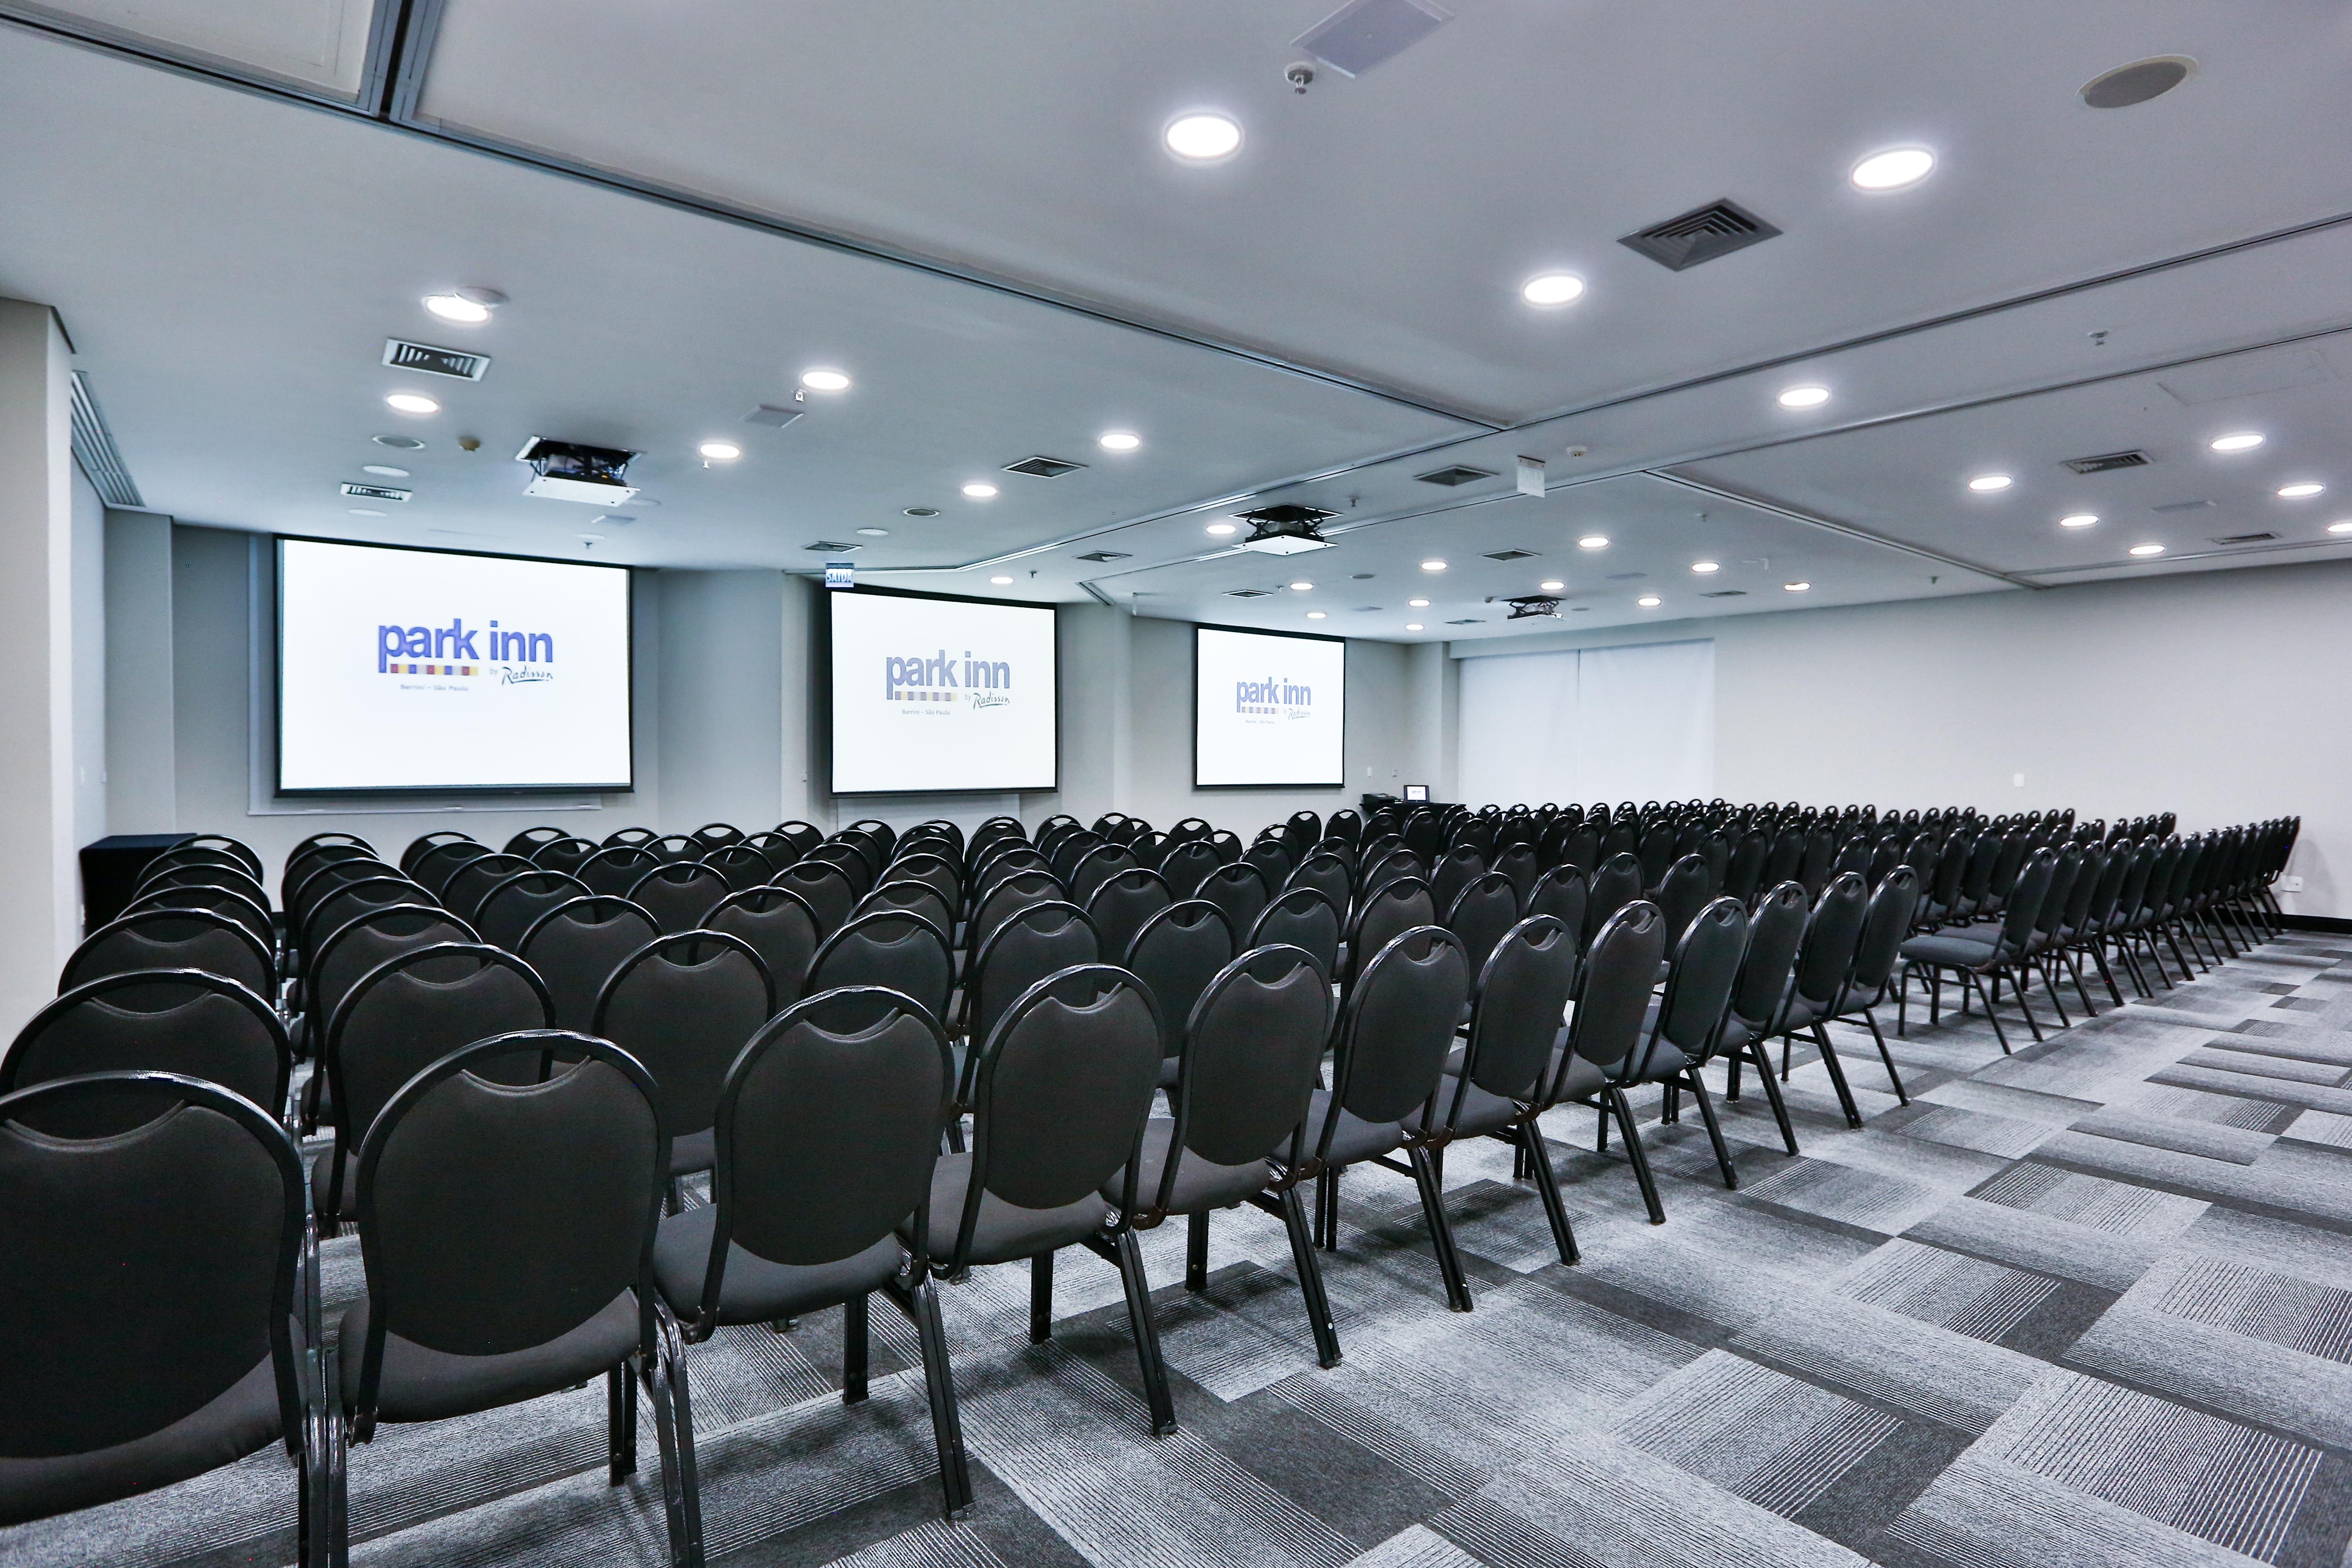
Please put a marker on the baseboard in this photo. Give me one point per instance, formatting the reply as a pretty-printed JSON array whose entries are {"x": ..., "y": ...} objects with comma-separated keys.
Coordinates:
[{"x": 2314, "y": 923}]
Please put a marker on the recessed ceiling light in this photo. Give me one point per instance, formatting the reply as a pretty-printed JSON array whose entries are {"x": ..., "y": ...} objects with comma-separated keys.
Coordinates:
[
  {"x": 922, "y": 512},
  {"x": 1797, "y": 587},
  {"x": 1593, "y": 541},
  {"x": 1433, "y": 565},
  {"x": 2079, "y": 520},
  {"x": 1314, "y": 614},
  {"x": 1893, "y": 169},
  {"x": 2344, "y": 527},
  {"x": 1984, "y": 484},
  {"x": 1703, "y": 567},
  {"x": 1416, "y": 604},
  {"x": 1219, "y": 530},
  {"x": 1648, "y": 601},
  {"x": 397, "y": 443},
  {"x": 1804, "y": 397},
  {"x": 364, "y": 512},
  {"x": 1552, "y": 289},
  {"x": 413, "y": 403},
  {"x": 721, "y": 451},
  {"x": 1413, "y": 626},
  {"x": 824, "y": 380},
  {"x": 1301, "y": 587},
  {"x": 1119, "y": 440},
  {"x": 2298, "y": 491},
  {"x": 978, "y": 491},
  {"x": 1002, "y": 582},
  {"x": 874, "y": 533},
  {"x": 1202, "y": 138},
  {"x": 383, "y": 470},
  {"x": 1553, "y": 586},
  {"x": 458, "y": 308},
  {"x": 2241, "y": 441},
  {"x": 2147, "y": 550}
]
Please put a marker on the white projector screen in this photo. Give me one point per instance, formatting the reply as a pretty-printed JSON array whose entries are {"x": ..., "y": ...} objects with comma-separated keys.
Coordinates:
[
  {"x": 940, "y": 696},
  {"x": 425, "y": 670},
  {"x": 1269, "y": 709}
]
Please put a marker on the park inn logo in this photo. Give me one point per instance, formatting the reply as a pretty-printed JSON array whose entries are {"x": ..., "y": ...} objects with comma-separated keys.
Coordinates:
[
  {"x": 943, "y": 678},
  {"x": 1273, "y": 699},
  {"x": 453, "y": 649}
]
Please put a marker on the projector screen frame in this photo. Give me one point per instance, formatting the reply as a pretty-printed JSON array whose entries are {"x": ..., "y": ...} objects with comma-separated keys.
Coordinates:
[
  {"x": 824, "y": 684},
  {"x": 277, "y": 602},
  {"x": 1200, "y": 626}
]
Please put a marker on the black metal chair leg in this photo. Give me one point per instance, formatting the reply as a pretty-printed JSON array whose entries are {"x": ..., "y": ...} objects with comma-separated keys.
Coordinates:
[
  {"x": 2099, "y": 961},
  {"x": 1441, "y": 1234},
  {"x": 1041, "y": 1298},
  {"x": 673, "y": 1423},
  {"x": 1731, "y": 1065},
  {"x": 1714, "y": 1132},
  {"x": 1196, "y": 1252},
  {"x": 1837, "y": 1075},
  {"x": 1539, "y": 1160},
  {"x": 1772, "y": 1096},
  {"x": 1146, "y": 1334},
  {"x": 922, "y": 1305},
  {"x": 620, "y": 1424},
  {"x": 1310, "y": 1278},
  {"x": 1613, "y": 1100},
  {"x": 856, "y": 1347},
  {"x": 2025, "y": 1006},
  {"x": 1327, "y": 1210},
  {"x": 1972, "y": 981},
  {"x": 2050, "y": 985},
  {"x": 1887, "y": 1057}
]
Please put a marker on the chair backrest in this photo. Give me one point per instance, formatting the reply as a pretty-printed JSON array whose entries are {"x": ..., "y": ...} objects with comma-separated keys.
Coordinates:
[
  {"x": 576, "y": 946},
  {"x": 827, "y": 1134},
  {"x": 1951, "y": 870},
  {"x": 509, "y": 910},
  {"x": 742, "y": 866},
  {"x": 1326, "y": 872},
  {"x": 1304, "y": 918},
  {"x": 1580, "y": 847},
  {"x": 173, "y": 939},
  {"x": 1251, "y": 1062},
  {"x": 471, "y": 882},
  {"x": 680, "y": 894},
  {"x": 1614, "y": 995},
  {"x": 307, "y": 857},
  {"x": 1227, "y": 844},
  {"x": 1659, "y": 850},
  {"x": 1176, "y": 953},
  {"x": 1516, "y": 1013},
  {"x": 1006, "y": 858},
  {"x": 1008, "y": 898},
  {"x": 2007, "y": 864},
  {"x": 2091, "y": 870},
  {"x": 804, "y": 836},
  {"x": 1786, "y": 861},
  {"x": 1397, "y": 1027},
  {"x": 1827, "y": 953},
  {"x": 530, "y": 839},
  {"x": 371, "y": 938},
  {"x": 168, "y": 1020},
  {"x": 671, "y": 847},
  {"x": 1031, "y": 942},
  {"x": 1189, "y": 830},
  {"x": 223, "y": 843},
  {"x": 324, "y": 914},
  {"x": 1239, "y": 890},
  {"x": 632, "y": 836},
  {"x": 156, "y": 1265},
  {"x": 1561, "y": 893},
  {"x": 1883, "y": 925},
  {"x": 828, "y": 890},
  {"x": 616, "y": 867},
  {"x": 716, "y": 835},
  {"x": 1375, "y": 870},
  {"x": 1185, "y": 866},
  {"x": 1707, "y": 954},
  {"x": 683, "y": 1004},
  {"x": 1303, "y": 829},
  {"x": 412, "y": 1010},
  {"x": 1773, "y": 938},
  {"x": 1485, "y": 908},
  {"x": 435, "y": 866},
  {"x": 564, "y": 854},
  {"x": 1617, "y": 883},
  {"x": 1455, "y": 870},
  {"x": 1099, "y": 864},
  {"x": 933, "y": 869},
  {"x": 1394, "y": 908},
  {"x": 1683, "y": 893},
  {"x": 779, "y": 926},
  {"x": 921, "y": 896},
  {"x": 497, "y": 1216},
  {"x": 229, "y": 901},
  {"x": 853, "y": 857},
  {"x": 1067, "y": 849},
  {"x": 2062, "y": 877},
  {"x": 1274, "y": 860},
  {"x": 1121, "y": 904},
  {"x": 1520, "y": 863},
  {"x": 2141, "y": 863},
  {"x": 1064, "y": 1083},
  {"x": 232, "y": 878},
  {"x": 895, "y": 948}
]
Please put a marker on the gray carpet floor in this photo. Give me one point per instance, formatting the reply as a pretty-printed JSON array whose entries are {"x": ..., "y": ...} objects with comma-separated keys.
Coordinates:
[{"x": 2083, "y": 1305}]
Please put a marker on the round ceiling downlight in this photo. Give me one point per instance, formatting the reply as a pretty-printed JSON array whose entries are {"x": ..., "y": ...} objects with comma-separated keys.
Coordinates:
[
  {"x": 411, "y": 403},
  {"x": 1804, "y": 397},
  {"x": 397, "y": 443},
  {"x": 1222, "y": 530},
  {"x": 2138, "y": 82},
  {"x": 978, "y": 491},
  {"x": 1648, "y": 601},
  {"x": 1986, "y": 484},
  {"x": 458, "y": 308},
  {"x": 2147, "y": 550},
  {"x": 1593, "y": 541},
  {"x": 2299, "y": 491},
  {"x": 1413, "y": 626},
  {"x": 873, "y": 533},
  {"x": 2080, "y": 520},
  {"x": 1416, "y": 604},
  {"x": 1797, "y": 587},
  {"x": 1202, "y": 138},
  {"x": 2240, "y": 441},
  {"x": 1552, "y": 585},
  {"x": 1119, "y": 440},
  {"x": 1705, "y": 568},
  {"x": 721, "y": 451},
  {"x": 1433, "y": 565},
  {"x": 824, "y": 381},
  {"x": 1002, "y": 582},
  {"x": 1894, "y": 169},
  {"x": 1552, "y": 289}
]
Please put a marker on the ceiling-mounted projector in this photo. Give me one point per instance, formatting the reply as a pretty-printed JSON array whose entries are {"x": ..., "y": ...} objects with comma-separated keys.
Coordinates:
[
  {"x": 1286, "y": 530},
  {"x": 1531, "y": 604},
  {"x": 565, "y": 470}
]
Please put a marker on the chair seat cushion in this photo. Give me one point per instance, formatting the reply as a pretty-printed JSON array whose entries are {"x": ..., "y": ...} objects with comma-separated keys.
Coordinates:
[
  {"x": 1947, "y": 951},
  {"x": 694, "y": 1152},
  {"x": 1480, "y": 1111},
  {"x": 240, "y": 1420},
  {"x": 420, "y": 1384},
  {"x": 1003, "y": 1231},
  {"x": 1584, "y": 1078},
  {"x": 1168, "y": 1068},
  {"x": 1200, "y": 1184},
  {"x": 1666, "y": 1060},
  {"x": 754, "y": 1289},
  {"x": 1353, "y": 1139}
]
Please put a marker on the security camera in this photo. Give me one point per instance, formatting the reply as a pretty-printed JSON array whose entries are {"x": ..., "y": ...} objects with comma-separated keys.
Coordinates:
[{"x": 1300, "y": 76}]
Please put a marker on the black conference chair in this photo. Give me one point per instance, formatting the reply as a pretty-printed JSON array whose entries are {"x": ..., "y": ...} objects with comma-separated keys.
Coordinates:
[
  {"x": 1823, "y": 962},
  {"x": 1238, "y": 890},
  {"x": 1617, "y": 882},
  {"x": 897, "y": 949},
  {"x": 633, "y": 835},
  {"x": 1098, "y": 866},
  {"x": 1185, "y": 866},
  {"x": 1301, "y": 917},
  {"x": 1487, "y": 907},
  {"x": 1563, "y": 894},
  {"x": 678, "y": 894},
  {"x": 1604, "y": 1035},
  {"x": 179, "y": 1021},
  {"x": 1394, "y": 1033},
  {"x": 854, "y": 860},
  {"x": 780, "y": 927},
  {"x": 1774, "y": 933},
  {"x": 1684, "y": 1025},
  {"x": 1272, "y": 858},
  {"x": 1033, "y": 942},
  {"x": 915, "y": 898},
  {"x": 471, "y": 883},
  {"x": 356, "y": 947},
  {"x": 231, "y": 878},
  {"x": 827, "y": 1134},
  {"x": 683, "y": 1004},
  {"x": 934, "y": 870},
  {"x": 1120, "y": 903},
  {"x": 530, "y": 840},
  {"x": 174, "y": 1325},
  {"x": 1520, "y": 863},
  {"x": 1236, "y": 1133},
  {"x": 1065, "y": 1083},
  {"x": 237, "y": 906},
  {"x": 616, "y": 867},
  {"x": 1396, "y": 906},
  {"x": 1974, "y": 962},
  {"x": 1455, "y": 870},
  {"x": 173, "y": 939},
  {"x": 1177, "y": 952},
  {"x": 740, "y": 866},
  {"x": 804, "y": 836},
  {"x": 564, "y": 854},
  {"x": 673, "y": 848},
  {"x": 402, "y": 1017},
  {"x": 576, "y": 946},
  {"x": 507, "y": 1231},
  {"x": 328, "y": 913},
  {"x": 717, "y": 835},
  {"x": 514, "y": 906},
  {"x": 433, "y": 869},
  {"x": 829, "y": 890},
  {"x": 1008, "y": 898},
  {"x": 1328, "y": 874},
  {"x": 1885, "y": 924}
]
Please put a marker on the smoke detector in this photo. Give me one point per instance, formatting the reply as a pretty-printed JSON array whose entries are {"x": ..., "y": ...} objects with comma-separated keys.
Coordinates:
[
  {"x": 565, "y": 470},
  {"x": 1286, "y": 530}
]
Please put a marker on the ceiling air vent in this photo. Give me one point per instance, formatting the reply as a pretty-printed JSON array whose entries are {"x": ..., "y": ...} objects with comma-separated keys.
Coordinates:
[
  {"x": 1043, "y": 467},
  {"x": 1459, "y": 474},
  {"x": 1511, "y": 555},
  {"x": 94, "y": 448},
  {"x": 2109, "y": 462},
  {"x": 2173, "y": 506},
  {"x": 1725, "y": 593},
  {"x": 1101, "y": 555},
  {"x": 1248, "y": 593},
  {"x": 1700, "y": 235},
  {"x": 827, "y": 547},
  {"x": 775, "y": 418},
  {"x": 1468, "y": 621},
  {"x": 376, "y": 492},
  {"x": 2245, "y": 538},
  {"x": 455, "y": 364}
]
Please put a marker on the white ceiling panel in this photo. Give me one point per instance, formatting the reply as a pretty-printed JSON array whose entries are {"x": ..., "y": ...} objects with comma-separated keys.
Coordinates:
[{"x": 317, "y": 45}]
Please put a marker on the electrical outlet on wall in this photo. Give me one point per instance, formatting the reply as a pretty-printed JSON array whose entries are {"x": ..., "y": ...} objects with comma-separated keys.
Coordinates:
[{"x": 2018, "y": 780}]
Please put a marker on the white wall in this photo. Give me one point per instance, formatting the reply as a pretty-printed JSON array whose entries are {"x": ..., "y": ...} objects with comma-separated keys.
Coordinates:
[
  {"x": 2218, "y": 695},
  {"x": 719, "y": 705},
  {"x": 139, "y": 763},
  {"x": 88, "y": 597}
]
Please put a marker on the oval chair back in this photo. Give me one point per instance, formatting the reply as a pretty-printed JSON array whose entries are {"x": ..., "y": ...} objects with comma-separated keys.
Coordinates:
[
  {"x": 1238, "y": 890},
  {"x": 780, "y": 927},
  {"x": 682, "y": 1006},
  {"x": 897, "y": 948},
  {"x": 827, "y": 890},
  {"x": 1612, "y": 1002},
  {"x": 1176, "y": 953},
  {"x": 1516, "y": 1015},
  {"x": 179, "y": 1021},
  {"x": 1026, "y": 946},
  {"x": 173, "y": 939},
  {"x": 616, "y": 867},
  {"x": 514, "y": 906},
  {"x": 1304, "y": 918},
  {"x": 575, "y": 947},
  {"x": 1396, "y": 1029},
  {"x": 1485, "y": 908},
  {"x": 678, "y": 894},
  {"x": 1119, "y": 905}
]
